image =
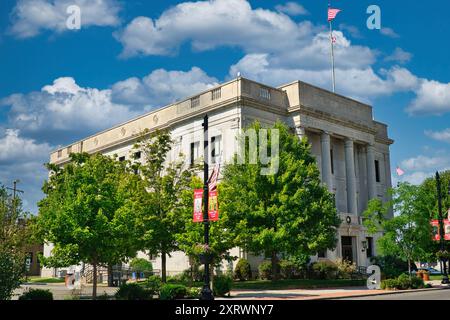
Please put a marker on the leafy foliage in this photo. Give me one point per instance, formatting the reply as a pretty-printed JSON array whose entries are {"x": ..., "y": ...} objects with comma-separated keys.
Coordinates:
[
  {"x": 222, "y": 285},
  {"x": 290, "y": 211},
  {"x": 133, "y": 291},
  {"x": 266, "y": 270},
  {"x": 325, "y": 269},
  {"x": 141, "y": 265},
  {"x": 15, "y": 234},
  {"x": 403, "y": 282},
  {"x": 37, "y": 294},
  {"x": 90, "y": 212},
  {"x": 243, "y": 270},
  {"x": 166, "y": 183},
  {"x": 172, "y": 291}
]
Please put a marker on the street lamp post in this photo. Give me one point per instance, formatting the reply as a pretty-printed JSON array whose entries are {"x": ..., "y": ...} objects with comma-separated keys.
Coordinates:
[
  {"x": 441, "y": 226},
  {"x": 206, "y": 293}
]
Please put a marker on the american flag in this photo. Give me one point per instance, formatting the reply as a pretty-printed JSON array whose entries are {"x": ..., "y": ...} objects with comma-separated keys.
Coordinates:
[
  {"x": 332, "y": 13},
  {"x": 400, "y": 172},
  {"x": 212, "y": 182}
]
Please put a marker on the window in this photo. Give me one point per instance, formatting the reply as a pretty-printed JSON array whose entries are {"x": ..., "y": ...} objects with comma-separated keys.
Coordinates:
[
  {"x": 264, "y": 93},
  {"x": 137, "y": 155},
  {"x": 195, "y": 146},
  {"x": 122, "y": 158},
  {"x": 377, "y": 170},
  {"x": 332, "y": 161},
  {"x": 215, "y": 148},
  {"x": 216, "y": 94},
  {"x": 369, "y": 247},
  {"x": 59, "y": 153},
  {"x": 322, "y": 254},
  {"x": 195, "y": 102}
]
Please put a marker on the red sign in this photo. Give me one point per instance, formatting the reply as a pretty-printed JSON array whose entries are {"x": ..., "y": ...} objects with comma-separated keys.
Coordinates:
[
  {"x": 436, "y": 236},
  {"x": 198, "y": 202},
  {"x": 213, "y": 210}
]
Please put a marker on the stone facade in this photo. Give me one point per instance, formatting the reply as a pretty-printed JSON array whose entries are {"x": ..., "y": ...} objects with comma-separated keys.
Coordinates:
[{"x": 352, "y": 150}]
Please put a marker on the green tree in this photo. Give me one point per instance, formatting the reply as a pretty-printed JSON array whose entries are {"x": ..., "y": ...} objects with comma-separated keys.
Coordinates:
[
  {"x": 165, "y": 183},
  {"x": 288, "y": 212},
  {"x": 407, "y": 234},
  {"x": 222, "y": 237},
  {"x": 15, "y": 235},
  {"x": 90, "y": 212}
]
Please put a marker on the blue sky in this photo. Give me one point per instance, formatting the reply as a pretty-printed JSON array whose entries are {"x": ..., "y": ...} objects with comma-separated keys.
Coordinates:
[{"x": 59, "y": 85}]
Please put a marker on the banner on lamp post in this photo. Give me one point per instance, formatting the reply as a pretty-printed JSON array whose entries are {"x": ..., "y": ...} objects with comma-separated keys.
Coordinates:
[
  {"x": 213, "y": 208},
  {"x": 436, "y": 234},
  {"x": 198, "y": 202}
]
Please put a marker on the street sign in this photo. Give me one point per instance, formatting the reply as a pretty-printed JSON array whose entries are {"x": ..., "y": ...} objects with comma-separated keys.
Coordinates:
[
  {"x": 198, "y": 200},
  {"x": 213, "y": 210}
]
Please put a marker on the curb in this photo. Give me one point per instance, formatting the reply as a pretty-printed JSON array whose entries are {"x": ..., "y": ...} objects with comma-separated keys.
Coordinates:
[{"x": 382, "y": 293}]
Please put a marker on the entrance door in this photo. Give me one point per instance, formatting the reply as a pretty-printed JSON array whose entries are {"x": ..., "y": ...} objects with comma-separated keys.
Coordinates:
[{"x": 347, "y": 248}]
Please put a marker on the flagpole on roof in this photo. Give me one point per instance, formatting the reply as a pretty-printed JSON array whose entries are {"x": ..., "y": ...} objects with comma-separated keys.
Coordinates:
[{"x": 333, "y": 74}]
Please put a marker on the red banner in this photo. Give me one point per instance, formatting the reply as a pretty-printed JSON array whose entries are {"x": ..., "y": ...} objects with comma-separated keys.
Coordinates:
[
  {"x": 436, "y": 234},
  {"x": 213, "y": 212},
  {"x": 198, "y": 203}
]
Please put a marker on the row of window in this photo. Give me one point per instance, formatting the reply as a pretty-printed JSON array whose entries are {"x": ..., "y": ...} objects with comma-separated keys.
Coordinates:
[
  {"x": 376, "y": 164},
  {"x": 215, "y": 147}
]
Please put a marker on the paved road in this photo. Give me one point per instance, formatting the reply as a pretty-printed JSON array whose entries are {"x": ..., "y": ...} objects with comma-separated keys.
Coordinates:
[{"x": 421, "y": 295}]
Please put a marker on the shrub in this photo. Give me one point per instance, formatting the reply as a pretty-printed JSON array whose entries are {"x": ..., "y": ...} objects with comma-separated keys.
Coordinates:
[
  {"x": 37, "y": 294},
  {"x": 222, "y": 285},
  {"x": 345, "y": 268},
  {"x": 325, "y": 269},
  {"x": 153, "y": 284},
  {"x": 193, "y": 293},
  {"x": 403, "y": 282},
  {"x": 141, "y": 265},
  {"x": 391, "y": 266},
  {"x": 172, "y": 291},
  {"x": 103, "y": 296},
  {"x": 243, "y": 270},
  {"x": 288, "y": 269},
  {"x": 132, "y": 291},
  {"x": 265, "y": 270}
]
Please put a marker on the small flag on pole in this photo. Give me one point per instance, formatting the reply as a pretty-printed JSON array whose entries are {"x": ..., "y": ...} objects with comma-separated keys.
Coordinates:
[
  {"x": 332, "y": 13},
  {"x": 400, "y": 172}
]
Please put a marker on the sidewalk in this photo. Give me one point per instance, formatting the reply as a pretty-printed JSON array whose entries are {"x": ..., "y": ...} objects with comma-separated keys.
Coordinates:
[{"x": 319, "y": 294}]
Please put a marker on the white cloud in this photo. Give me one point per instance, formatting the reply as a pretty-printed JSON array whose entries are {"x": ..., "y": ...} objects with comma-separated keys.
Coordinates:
[
  {"x": 352, "y": 30},
  {"x": 422, "y": 162},
  {"x": 443, "y": 135},
  {"x": 292, "y": 9},
  {"x": 210, "y": 24},
  {"x": 65, "y": 107},
  {"x": 389, "y": 32},
  {"x": 30, "y": 17},
  {"x": 433, "y": 97},
  {"x": 161, "y": 87},
  {"x": 23, "y": 158},
  {"x": 399, "y": 55}
]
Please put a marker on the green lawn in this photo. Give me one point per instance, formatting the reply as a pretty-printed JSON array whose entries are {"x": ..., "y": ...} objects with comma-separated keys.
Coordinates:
[
  {"x": 435, "y": 277},
  {"x": 295, "y": 284},
  {"x": 44, "y": 280}
]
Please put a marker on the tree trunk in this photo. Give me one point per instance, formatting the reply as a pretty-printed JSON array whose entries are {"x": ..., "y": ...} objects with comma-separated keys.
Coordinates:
[
  {"x": 94, "y": 281},
  {"x": 163, "y": 267},
  {"x": 110, "y": 275},
  {"x": 409, "y": 267},
  {"x": 274, "y": 260}
]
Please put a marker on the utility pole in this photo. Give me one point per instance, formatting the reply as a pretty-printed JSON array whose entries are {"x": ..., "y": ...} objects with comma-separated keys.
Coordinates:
[
  {"x": 441, "y": 227},
  {"x": 15, "y": 191},
  {"x": 206, "y": 293}
]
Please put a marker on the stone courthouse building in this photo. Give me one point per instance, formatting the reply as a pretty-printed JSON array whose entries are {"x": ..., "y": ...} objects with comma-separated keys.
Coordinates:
[{"x": 351, "y": 148}]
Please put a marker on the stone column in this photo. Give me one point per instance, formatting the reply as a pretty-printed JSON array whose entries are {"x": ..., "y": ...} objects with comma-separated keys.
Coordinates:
[
  {"x": 326, "y": 160},
  {"x": 301, "y": 133},
  {"x": 371, "y": 180},
  {"x": 351, "y": 178}
]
